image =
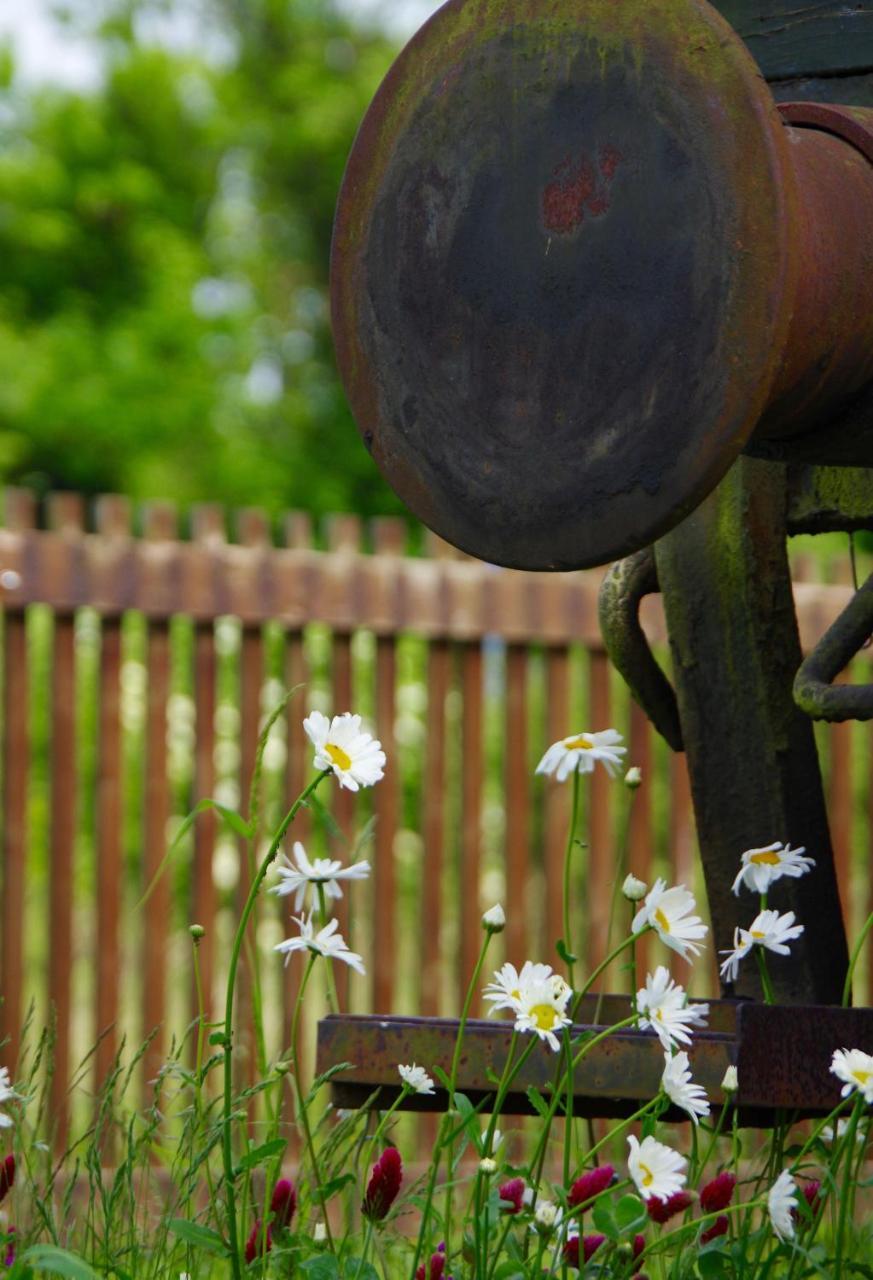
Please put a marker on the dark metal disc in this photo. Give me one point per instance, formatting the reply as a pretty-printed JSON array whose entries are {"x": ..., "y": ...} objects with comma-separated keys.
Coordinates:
[{"x": 560, "y": 277}]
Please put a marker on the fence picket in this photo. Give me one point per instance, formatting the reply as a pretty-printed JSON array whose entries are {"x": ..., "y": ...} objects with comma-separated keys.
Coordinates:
[
  {"x": 112, "y": 520},
  {"x": 66, "y": 516},
  {"x": 19, "y": 514},
  {"x": 159, "y": 530}
]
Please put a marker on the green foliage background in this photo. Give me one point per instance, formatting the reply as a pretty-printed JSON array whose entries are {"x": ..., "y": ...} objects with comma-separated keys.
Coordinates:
[{"x": 164, "y": 248}]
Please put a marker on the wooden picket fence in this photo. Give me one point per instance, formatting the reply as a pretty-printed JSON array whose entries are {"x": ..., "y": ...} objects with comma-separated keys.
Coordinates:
[{"x": 139, "y": 665}]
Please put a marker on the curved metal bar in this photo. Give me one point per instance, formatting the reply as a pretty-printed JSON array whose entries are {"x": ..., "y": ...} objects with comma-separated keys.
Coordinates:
[
  {"x": 619, "y": 608},
  {"x": 814, "y": 690}
]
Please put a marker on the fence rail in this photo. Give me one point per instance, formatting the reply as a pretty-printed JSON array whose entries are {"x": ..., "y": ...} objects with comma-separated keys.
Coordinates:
[{"x": 138, "y": 668}]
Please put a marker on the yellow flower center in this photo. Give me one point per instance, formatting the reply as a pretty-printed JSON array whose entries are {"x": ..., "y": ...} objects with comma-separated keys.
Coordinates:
[
  {"x": 515, "y": 994},
  {"x": 767, "y": 857},
  {"x": 661, "y": 920},
  {"x": 754, "y": 933},
  {"x": 579, "y": 744},
  {"x": 648, "y": 1176},
  {"x": 338, "y": 756},
  {"x": 659, "y": 1014},
  {"x": 545, "y": 1016},
  {"x": 861, "y": 1076}
]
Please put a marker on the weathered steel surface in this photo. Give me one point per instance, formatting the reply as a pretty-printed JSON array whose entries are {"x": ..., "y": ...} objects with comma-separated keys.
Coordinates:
[
  {"x": 751, "y": 752},
  {"x": 623, "y": 589},
  {"x": 814, "y": 690},
  {"x": 789, "y": 39},
  {"x": 829, "y": 499},
  {"x": 782, "y": 1057},
  {"x": 562, "y": 274}
]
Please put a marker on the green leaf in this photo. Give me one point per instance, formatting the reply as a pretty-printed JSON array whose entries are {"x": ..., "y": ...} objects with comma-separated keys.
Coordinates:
[
  {"x": 508, "y": 1271},
  {"x": 630, "y": 1214},
  {"x": 47, "y": 1257},
  {"x": 355, "y": 1268},
  {"x": 443, "y": 1078},
  {"x": 334, "y": 1185},
  {"x": 537, "y": 1101},
  {"x": 218, "y": 1037},
  {"x": 713, "y": 1264},
  {"x": 263, "y": 1153},
  {"x": 604, "y": 1220},
  {"x": 201, "y": 1237},
  {"x": 324, "y": 1267},
  {"x": 236, "y": 823},
  {"x": 325, "y": 817},
  {"x": 566, "y": 955}
]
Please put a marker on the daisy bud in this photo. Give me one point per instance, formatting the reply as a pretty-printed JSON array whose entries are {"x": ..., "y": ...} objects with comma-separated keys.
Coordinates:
[
  {"x": 730, "y": 1083},
  {"x": 545, "y": 1216},
  {"x": 487, "y": 1166},
  {"x": 259, "y": 1241},
  {"x": 719, "y": 1228},
  {"x": 283, "y": 1203},
  {"x": 319, "y": 1233},
  {"x": 718, "y": 1193},
  {"x": 633, "y": 889},
  {"x": 513, "y": 1193},
  {"x": 7, "y": 1176},
  {"x": 197, "y": 932},
  {"x": 590, "y": 1185},
  {"x": 282, "y": 1068},
  {"x": 494, "y": 919},
  {"x": 633, "y": 777},
  {"x": 662, "y": 1211},
  {"x": 383, "y": 1186}
]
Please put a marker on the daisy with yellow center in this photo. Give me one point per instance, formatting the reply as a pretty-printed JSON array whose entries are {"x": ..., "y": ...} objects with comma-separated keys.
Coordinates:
[
  {"x": 542, "y": 1008},
  {"x": 679, "y": 1087},
  {"x": 657, "y": 1171},
  {"x": 505, "y": 991},
  {"x": 855, "y": 1069},
  {"x": 667, "y": 911},
  {"x": 770, "y": 930},
  {"x": 663, "y": 1006},
  {"x": 355, "y": 757},
  {"x": 581, "y": 752},
  {"x": 760, "y": 867}
]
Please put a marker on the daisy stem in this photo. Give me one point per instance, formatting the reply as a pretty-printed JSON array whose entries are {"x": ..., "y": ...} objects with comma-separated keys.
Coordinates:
[
  {"x": 301, "y": 1097},
  {"x": 856, "y": 952},
  {"x": 568, "y": 1110},
  {"x": 620, "y": 873},
  {"x": 766, "y": 985},
  {"x": 332, "y": 1001},
  {"x": 368, "y": 1236},
  {"x": 849, "y": 1147},
  {"x": 227, "y": 1131},
  {"x": 722, "y": 1116},
  {"x": 604, "y": 964},
  {"x": 568, "y": 857},
  {"x": 404, "y": 1093}
]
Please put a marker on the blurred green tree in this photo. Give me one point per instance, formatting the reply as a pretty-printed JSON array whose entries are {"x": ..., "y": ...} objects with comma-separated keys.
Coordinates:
[{"x": 164, "y": 245}]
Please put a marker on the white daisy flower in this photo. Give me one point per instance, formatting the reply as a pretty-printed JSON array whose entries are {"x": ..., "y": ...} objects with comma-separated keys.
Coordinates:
[
  {"x": 581, "y": 752},
  {"x": 676, "y": 1083},
  {"x": 327, "y": 942},
  {"x": 781, "y": 1205},
  {"x": 546, "y": 1217},
  {"x": 542, "y": 1008},
  {"x": 505, "y": 991},
  {"x": 7, "y": 1094},
  {"x": 760, "y": 867},
  {"x": 297, "y": 876},
  {"x": 769, "y": 929},
  {"x": 667, "y": 911},
  {"x": 340, "y": 744},
  {"x": 855, "y": 1068},
  {"x": 657, "y": 1171},
  {"x": 416, "y": 1077},
  {"x": 633, "y": 778},
  {"x": 487, "y": 1166},
  {"x": 830, "y": 1134},
  {"x": 663, "y": 1005}
]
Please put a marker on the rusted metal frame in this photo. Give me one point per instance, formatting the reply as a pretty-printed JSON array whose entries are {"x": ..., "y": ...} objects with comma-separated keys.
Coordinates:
[
  {"x": 620, "y": 1073},
  {"x": 751, "y": 753},
  {"x": 814, "y": 690},
  {"x": 621, "y": 593}
]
